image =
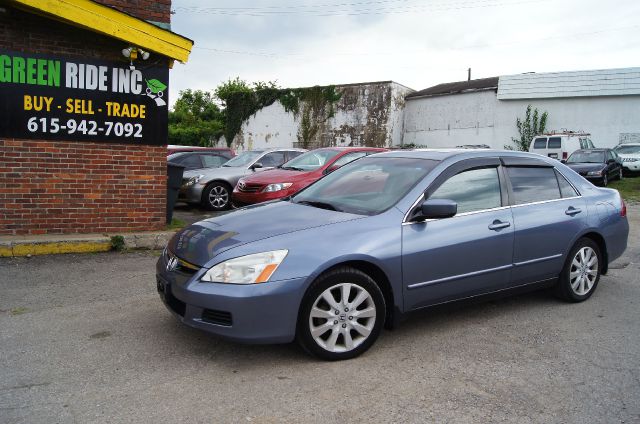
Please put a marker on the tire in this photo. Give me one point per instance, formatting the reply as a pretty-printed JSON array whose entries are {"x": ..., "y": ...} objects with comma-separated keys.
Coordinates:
[
  {"x": 333, "y": 329},
  {"x": 584, "y": 270},
  {"x": 216, "y": 196}
]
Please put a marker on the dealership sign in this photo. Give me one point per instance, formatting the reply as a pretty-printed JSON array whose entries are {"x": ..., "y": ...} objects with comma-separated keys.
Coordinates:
[{"x": 47, "y": 97}]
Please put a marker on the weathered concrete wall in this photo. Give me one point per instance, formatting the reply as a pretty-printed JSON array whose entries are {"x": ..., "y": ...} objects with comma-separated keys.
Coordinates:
[
  {"x": 480, "y": 118},
  {"x": 369, "y": 114}
]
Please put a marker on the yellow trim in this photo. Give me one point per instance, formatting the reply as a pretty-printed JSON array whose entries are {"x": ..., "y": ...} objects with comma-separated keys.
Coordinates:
[
  {"x": 113, "y": 23},
  {"x": 51, "y": 248}
]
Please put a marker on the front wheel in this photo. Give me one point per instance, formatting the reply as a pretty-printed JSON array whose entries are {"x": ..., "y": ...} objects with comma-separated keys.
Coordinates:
[
  {"x": 341, "y": 315},
  {"x": 581, "y": 273},
  {"x": 216, "y": 196}
]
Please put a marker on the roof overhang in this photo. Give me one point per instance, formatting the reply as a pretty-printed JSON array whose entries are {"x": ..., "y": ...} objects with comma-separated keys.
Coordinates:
[{"x": 105, "y": 20}]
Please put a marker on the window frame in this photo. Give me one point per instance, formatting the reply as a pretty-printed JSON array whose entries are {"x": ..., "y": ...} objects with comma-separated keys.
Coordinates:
[{"x": 455, "y": 169}]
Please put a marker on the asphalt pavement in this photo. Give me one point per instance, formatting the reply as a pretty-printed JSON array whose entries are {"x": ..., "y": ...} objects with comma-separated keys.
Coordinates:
[{"x": 85, "y": 339}]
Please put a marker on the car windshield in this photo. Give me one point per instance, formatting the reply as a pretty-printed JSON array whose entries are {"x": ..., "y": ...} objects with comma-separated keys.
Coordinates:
[
  {"x": 368, "y": 186},
  {"x": 243, "y": 159},
  {"x": 310, "y": 160},
  {"x": 586, "y": 157},
  {"x": 627, "y": 150}
]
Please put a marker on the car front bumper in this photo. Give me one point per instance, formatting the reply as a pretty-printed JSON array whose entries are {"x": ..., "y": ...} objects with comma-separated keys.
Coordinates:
[
  {"x": 253, "y": 313},
  {"x": 631, "y": 166},
  {"x": 239, "y": 198},
  {"x": 191, "y": 194}
]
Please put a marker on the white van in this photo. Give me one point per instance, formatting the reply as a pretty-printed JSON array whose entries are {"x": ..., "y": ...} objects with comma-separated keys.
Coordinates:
[{"x": 559, "y": 145}]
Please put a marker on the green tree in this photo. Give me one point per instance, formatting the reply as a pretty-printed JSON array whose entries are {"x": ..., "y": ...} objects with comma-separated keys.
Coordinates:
[
  {"x": 195, "y": 120},
  {"x": 532, "y": 125}
]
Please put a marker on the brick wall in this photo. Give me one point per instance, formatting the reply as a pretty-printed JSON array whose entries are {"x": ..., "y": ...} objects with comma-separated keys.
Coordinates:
[
  {"x": 149, "y": 10},
  {"x": 52, "y": 187}
]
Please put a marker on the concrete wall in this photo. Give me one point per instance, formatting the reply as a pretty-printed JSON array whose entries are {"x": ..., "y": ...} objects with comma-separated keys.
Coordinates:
[
  {"x": 480, "y": 118},
  {"x": 369, "y": 114}
]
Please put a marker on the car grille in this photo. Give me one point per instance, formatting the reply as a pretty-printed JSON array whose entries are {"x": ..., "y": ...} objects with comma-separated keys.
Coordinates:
[
  {"x": 250, "y": 187},
  {"x": 181, "y": 265},
  {"x": 629, "y": 159},
  {"x": 217, "y": 317}
]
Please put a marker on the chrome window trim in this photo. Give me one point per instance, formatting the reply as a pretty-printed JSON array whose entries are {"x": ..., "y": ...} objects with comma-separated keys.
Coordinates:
[
  {"x": 545, "y": 201},
  {"x": 455, "y": 216}
]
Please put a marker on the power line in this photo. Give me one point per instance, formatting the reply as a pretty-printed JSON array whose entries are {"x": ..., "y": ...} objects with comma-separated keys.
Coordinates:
[
  {"x": 309, "y": 11},
  {"x": 282, "y": 55}
]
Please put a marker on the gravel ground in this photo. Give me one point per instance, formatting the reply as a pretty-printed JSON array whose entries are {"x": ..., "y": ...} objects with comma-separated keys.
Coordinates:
[{"x": 85, "y": 339}]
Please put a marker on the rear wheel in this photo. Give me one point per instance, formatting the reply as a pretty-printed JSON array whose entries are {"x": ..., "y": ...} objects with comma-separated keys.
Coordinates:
[
  {"x": 581, "y": 273},
  {"x": 341, "y": 315}
]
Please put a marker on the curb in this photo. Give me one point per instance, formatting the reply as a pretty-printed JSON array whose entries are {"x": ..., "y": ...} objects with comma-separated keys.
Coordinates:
[{"x": 16, "y": 246}]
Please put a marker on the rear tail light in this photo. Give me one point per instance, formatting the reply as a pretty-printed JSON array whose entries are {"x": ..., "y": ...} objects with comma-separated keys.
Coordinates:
[
  {"x": 565, "y": 155},
  {"x": 623, "y": 210}
]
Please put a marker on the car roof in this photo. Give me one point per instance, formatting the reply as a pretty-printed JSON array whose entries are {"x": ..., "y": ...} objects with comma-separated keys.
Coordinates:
[{"x": 461, "y": 154}]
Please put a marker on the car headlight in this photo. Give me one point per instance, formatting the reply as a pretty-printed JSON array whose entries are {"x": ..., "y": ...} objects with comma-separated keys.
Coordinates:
[
  {"x": 594, "y": 173},
  {"x": 249, "y": 269},
  {"x": 276, "y": 187},
  {"x": 193, "y": 180}
]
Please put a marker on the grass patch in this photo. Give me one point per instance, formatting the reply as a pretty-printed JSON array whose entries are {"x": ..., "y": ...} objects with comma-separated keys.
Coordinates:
[
  {"x": 117, "y": 243},
  {"x": 19, "y": 311},
  {"x": 176, "y": 224},
  {"x": 628, "y": 187}
]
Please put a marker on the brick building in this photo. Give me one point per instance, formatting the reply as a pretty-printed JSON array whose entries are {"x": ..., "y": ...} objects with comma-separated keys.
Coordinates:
[{"x": 82, "y": 140}]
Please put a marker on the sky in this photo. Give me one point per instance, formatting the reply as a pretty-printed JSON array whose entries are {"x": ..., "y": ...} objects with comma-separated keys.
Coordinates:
[{"x": 417, "y": 43}]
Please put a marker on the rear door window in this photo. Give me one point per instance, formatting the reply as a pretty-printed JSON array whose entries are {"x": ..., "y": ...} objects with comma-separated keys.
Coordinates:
[
  {"x": 191, "y": 162},
  {"x": 533, "y": 184},
  {"x": 555, "y": 143},
  {"x": 213, "y": 161},
  {"x": 540, "y": 143}
]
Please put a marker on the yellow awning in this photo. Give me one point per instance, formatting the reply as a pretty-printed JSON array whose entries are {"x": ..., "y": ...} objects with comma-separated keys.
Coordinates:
[{"x": 113, "y": 23}]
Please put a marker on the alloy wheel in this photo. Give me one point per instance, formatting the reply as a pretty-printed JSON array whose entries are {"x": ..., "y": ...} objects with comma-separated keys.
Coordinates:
[
  {"x": 218, "y": 197},
  {"x": 342, "y": 317},
  {"x": 583, "y": 272}
]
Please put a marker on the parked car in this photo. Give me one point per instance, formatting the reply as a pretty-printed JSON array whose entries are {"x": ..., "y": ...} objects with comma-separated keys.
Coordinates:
[
  {"x": 391, "y": 233},
  {"x": 296, "y": 174},
  {"x": 198, "y": 160},
  {"x": 560, "y": 145},
  {"x": 629, "y": 153},
  {"x": 212, "y": 187},
  {"x": 225, "y": 151},
  {"x": 596, "y": 165}
]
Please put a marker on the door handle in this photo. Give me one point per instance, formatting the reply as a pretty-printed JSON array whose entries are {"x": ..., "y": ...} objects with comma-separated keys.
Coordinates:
[
  {"x": 498, "y": 225},
  {"x": 572, "y": 211}
]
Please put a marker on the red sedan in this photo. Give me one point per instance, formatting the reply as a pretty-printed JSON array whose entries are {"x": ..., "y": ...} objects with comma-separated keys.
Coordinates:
[{"x": 296, "y": 174}]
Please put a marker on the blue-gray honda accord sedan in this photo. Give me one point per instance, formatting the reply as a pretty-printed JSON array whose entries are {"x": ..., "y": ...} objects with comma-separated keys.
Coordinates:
[{"x": 389, "y": 234}]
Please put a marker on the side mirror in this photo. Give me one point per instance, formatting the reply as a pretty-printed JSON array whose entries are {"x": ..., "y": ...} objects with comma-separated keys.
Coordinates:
[
  {"x": 563, "y": 161},
  {"x": 436, "y": 208},
  {"x": 255, "y": 166},
  {"x": 610, "y": 161},
  {"x": 330, "y": 169}
]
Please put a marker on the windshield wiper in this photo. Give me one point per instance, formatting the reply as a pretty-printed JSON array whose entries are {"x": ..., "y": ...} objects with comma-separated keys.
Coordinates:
[
  {"x": 293, "y": 168},
  {"x": 321, "y": 205}
]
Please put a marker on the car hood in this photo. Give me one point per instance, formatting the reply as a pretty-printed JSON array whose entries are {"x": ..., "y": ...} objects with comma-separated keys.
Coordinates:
[
  {"x": 582, "y": 168},
  {"x": 278, "y": 176},
  {"x": 200, "y": 242}
]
